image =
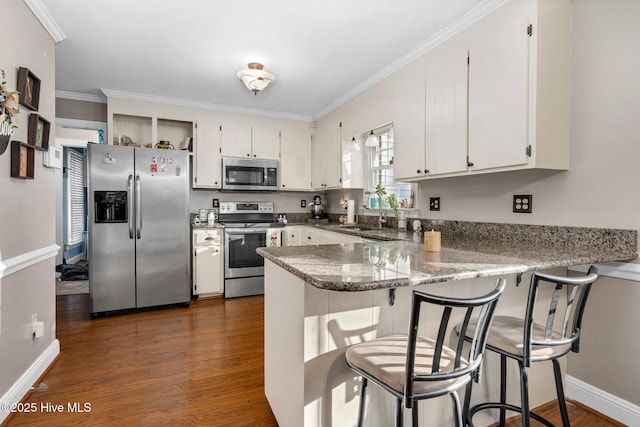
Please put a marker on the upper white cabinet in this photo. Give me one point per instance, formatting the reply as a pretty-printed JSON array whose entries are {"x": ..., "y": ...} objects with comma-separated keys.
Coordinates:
[
  {"x": 325, "y": 155},
  {"x": 408, "y": 124},
  {"x": 496, "y": 96},
  {"x": 207, "y": 162},
  {"x": 446, "y": 110},
  {"x": 499, "y": 58},
  {"x": 250, "y": 141},
  {"x": 295, "y": 160}
]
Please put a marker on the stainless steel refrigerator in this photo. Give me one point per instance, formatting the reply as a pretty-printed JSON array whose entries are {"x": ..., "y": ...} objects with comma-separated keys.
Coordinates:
[{"x": 138, "y": 228}]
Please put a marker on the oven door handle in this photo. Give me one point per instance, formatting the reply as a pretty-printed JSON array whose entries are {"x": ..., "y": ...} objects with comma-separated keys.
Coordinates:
[{"x": 240, "y": 232}]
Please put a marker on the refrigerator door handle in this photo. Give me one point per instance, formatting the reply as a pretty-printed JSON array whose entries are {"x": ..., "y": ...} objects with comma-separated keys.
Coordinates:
[
  {"x": 130, "y": 220},
  {"x": 138, "y": 209}
]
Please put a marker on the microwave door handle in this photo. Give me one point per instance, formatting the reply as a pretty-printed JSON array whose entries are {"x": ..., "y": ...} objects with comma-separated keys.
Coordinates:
[
  {"x": 138, "y": 209},
  {"x": 130, "y": 205}
]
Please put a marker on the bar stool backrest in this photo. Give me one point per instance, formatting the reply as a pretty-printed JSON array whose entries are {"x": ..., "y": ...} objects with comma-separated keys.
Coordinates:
[
  {"x": 478, "y": 310},
  {"x": 563, "y": 318}
]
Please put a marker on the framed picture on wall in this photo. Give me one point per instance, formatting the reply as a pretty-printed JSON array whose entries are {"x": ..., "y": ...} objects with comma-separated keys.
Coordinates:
[
  {"x": 38, "y": 135},
  {"x": 29, "y": 88}
]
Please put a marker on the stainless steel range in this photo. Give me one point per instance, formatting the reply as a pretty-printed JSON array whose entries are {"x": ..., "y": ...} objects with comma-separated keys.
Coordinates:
[{"x": 247, "y": 226}]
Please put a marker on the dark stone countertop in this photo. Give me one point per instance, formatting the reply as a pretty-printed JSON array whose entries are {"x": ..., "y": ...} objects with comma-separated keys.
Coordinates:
[{"x": 390, "y": 264}]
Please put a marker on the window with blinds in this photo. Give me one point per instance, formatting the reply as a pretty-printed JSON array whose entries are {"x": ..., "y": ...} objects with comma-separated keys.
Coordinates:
[{"x": 75, "y": 197}]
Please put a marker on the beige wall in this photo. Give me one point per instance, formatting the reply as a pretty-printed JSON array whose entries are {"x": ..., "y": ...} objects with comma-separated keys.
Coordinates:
[
  {"x": 81, "y": 110},
  {"x": 26, "y": 216}
]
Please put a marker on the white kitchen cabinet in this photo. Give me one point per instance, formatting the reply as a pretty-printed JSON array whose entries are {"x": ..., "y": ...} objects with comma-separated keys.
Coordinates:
[
  {"x": 207, "y": 163},
  {"x": 208, "y": 264},
  {"x": 409, "y": 124},
  {"x": 446, "y": 109},
  {"x": 325, "y": 156},
  {"x": 499, "y": 57},
  {"x": 250, "y": 141},
  {"x": 291, "y": 236},
  {"x": 307, "y": 235},
  {"x": 295, "y": 160},
  {"x": 142, "y": 131},
  {"x": 507, "y": 108}
]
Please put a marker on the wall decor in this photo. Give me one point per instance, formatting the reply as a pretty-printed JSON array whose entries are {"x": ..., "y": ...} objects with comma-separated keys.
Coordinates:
[
  {"x": 8, "y": 109},
  {"x": 29, "y": 88},
  {"x": 39, "y": 129},
  {"x": 22, "y": 160}
]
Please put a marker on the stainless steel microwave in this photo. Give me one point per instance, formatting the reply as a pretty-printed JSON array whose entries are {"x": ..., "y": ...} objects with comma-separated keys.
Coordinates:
[{"x": 249, "y": 174}]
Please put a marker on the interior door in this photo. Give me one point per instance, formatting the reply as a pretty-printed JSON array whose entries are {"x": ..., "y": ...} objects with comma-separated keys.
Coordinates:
[{"x": 162, "y": 227}]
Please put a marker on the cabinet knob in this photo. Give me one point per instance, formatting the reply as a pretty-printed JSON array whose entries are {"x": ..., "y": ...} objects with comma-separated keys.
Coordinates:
[
  {"x": 248, "y": 155},
  {"x": 254, "y": 155},
  {"x": 426, "y": 171},
  {"x": 308, "y": 237},
  {"x": 419, "y": 171},
  {"x": 293, "y": 236},
  {"x": 469, "y": 164},
  {"x": 282, "y": 185}
]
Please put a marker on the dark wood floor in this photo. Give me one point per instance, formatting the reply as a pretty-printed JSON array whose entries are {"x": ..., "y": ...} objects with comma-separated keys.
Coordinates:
[{"x": 201, "y": 365}]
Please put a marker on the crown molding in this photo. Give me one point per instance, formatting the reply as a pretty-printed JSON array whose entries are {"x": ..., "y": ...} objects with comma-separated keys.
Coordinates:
[
  {"x": 460, "y": 24},
  {"x": 109, "y": 93},
  {"x": 81, "y": 96},
  {"x": 45, "y": 18}
]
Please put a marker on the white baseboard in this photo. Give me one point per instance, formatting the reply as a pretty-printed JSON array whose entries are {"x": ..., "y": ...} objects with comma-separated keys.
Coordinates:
[
  {"x": 21, "y": 387},
  {"x": 603, "y": 402},
  {"x": 75, "y": 258}
]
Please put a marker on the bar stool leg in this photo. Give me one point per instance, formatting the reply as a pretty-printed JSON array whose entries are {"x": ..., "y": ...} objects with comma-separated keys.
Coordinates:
[
  {"x": 524, "y": 394},
  {"x": 414, "y": 414},
  {"x": 503, "y": 388},
  {"x": 363, "y": 398},
  {"x": 560, "y": 391},
  {"x": 467, "y": 404},
  {"x": 456, "y": 409},
  {"x": 399, "y": 413}
]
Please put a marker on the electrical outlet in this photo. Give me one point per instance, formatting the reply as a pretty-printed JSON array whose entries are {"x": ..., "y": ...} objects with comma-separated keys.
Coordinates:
[
  {"x": 434, "y": 203},
  {"x": 303, "y": 203},
  {"x": 522, "y": 203}
]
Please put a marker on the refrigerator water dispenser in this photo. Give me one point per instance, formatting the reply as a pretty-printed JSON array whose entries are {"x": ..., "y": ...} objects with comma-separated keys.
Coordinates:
[{"x": 111, "y": 206}]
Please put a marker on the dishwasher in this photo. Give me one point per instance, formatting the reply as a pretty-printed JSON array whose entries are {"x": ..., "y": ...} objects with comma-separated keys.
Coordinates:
[{"x": 208, "y": 263}]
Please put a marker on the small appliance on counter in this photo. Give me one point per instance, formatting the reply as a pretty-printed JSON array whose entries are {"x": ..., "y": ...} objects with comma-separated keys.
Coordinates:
[{"x": 317, "y": 208}]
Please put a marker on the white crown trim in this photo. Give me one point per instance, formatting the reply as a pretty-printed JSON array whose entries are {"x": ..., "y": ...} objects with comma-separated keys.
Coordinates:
[
  {"x": 45, "y": 18},
  {"x": 109, "y": 93},
  {"x": 76, "y": 96},
  {"x": 460, "y": 24}
]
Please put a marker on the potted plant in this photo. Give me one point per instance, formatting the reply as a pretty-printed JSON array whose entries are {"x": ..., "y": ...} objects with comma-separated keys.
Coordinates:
[{"x": 8, "y": 110}]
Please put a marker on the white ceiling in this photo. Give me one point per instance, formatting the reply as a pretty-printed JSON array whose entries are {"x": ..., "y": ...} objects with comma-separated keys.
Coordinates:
[{"x": 322, "y": 52}]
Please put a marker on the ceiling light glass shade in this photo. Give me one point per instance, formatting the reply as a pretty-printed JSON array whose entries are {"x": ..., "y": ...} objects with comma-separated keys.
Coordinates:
[
  {"x": 353, "y": 145},
  {"x": 255, "y": 78},
  {"x": 372, "y": 140}
]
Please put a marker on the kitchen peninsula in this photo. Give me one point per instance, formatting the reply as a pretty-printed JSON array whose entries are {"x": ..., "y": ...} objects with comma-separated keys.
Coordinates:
[{"x": 321, "y": 299}]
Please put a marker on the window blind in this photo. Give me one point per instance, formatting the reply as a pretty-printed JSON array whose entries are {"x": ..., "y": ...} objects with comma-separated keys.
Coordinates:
[{"x": 75, "y": 197}]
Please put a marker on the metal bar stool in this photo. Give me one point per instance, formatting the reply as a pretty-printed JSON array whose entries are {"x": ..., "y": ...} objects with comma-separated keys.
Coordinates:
[
  {"x": 414, "y": 367},
  {"x": 527, "y": 341}
]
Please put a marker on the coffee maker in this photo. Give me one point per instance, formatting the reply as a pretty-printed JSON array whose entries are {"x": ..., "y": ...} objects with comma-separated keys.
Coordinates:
[{"x": 317, "y": 208}]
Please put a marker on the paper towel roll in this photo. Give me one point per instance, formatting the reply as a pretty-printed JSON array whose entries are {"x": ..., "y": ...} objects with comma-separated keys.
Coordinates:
[{"x": 351, "y": 211}]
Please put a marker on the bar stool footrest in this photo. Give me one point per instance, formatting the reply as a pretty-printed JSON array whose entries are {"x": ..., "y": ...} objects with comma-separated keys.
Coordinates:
[{"x": 508, "y": 407}]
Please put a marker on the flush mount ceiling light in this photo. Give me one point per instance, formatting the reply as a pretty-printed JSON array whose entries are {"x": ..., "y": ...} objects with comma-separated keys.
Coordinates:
[
  {"x": 255, "y": 78},
  {"x": 372, "y": 140}
]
